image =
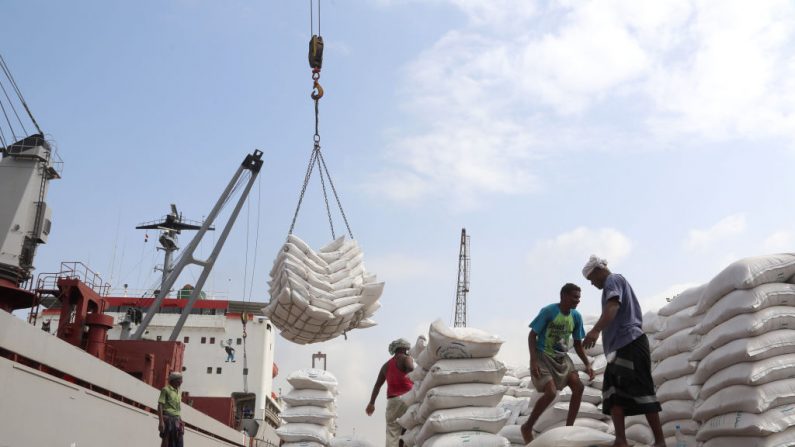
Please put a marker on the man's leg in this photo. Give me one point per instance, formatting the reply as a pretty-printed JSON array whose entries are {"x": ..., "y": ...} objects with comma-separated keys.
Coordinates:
[
  {"x": 617, "y": 413},
  {"x": 541, "y": 404},
  {"x": 656, "y": 427},
  {"x": 394, "y": 410},
  {"x": 574, "y": 382}
]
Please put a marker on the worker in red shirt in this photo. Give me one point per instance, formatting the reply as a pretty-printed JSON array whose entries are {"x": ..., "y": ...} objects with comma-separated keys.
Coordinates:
[{"x": 395, "y": 374}]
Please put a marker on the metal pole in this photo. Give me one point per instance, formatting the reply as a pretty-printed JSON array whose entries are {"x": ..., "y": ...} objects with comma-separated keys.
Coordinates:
[
  {"x": 172, "y": 278},
  {"x": 208, "y": 264}
]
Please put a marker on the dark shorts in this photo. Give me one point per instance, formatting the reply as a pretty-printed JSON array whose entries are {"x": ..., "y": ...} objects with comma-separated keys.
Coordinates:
[{"x": 628, "y": 383}]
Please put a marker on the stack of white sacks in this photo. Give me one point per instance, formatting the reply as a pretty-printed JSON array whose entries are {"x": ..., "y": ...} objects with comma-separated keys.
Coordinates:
[
  {"x": 520, "y": 395},
  {"x": 311, "y": 409},
  {"x": 671, "y": 340},
  {"x": 746, "y": 356},
  {"x": 724, "y": 358},
  {"x": 319, "y": 295},
  {"x": 456, "y": 391}
]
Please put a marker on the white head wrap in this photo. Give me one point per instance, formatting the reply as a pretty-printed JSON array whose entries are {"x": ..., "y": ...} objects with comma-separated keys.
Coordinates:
[
  {"x": 397, "y": 344},
  {"x": 593, "y": 262},
  {"x": 174, "y": 376}
]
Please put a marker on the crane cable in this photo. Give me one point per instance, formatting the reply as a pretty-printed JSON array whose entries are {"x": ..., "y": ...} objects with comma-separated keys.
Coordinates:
[{"x": 315, "y": 58}]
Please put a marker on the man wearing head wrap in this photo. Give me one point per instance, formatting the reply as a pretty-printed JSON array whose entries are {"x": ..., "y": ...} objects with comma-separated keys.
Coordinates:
[
  {"x": 395, "y": 373},
  {"x": 628, "y": 388},
  {"x": 550, "y": 339},
  {"x": 168, "y": 411}
]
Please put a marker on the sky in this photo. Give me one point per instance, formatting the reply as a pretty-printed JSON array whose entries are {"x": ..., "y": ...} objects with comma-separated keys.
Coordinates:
[{"x": 655, "y": 134}]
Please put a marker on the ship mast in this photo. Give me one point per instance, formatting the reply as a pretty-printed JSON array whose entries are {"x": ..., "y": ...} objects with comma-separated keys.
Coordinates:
[{"x": 170, "y": 226}]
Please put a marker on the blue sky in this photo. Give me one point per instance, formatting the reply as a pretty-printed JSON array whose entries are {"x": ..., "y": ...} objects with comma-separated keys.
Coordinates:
[{"x": 657, "y": 135}]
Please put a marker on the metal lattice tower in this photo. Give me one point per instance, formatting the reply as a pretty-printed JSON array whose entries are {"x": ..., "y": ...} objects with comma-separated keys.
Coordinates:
[{"x": 463, "y": 282}]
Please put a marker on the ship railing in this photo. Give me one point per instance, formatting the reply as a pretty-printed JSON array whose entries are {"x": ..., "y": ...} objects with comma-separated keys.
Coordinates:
[{"x": 48, "y": 282}]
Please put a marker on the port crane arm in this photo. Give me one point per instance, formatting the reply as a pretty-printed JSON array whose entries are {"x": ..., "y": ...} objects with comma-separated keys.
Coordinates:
[{"x": 253, "y": 164}]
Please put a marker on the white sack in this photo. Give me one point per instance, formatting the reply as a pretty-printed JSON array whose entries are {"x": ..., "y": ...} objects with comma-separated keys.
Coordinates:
[
  {"x": 784, "y": 439},
  {"x": 559, "y": 411},
  {"x": 350, "y": 442},
  {"x": 589, "y": 394},
  {"x": 640, "y": 433},
  {"x": 746, "y": 274},
  {"x": 313, "y": 379},
  {"x": 461, "y": 343},
  {"x": 678, "y": 389},
  {"x": 682, "y": 341},
  {"x": 410, "y": 417},
  {"x": 771, "y": 421},
  {"x": 485, "y": 419},
  {"x": 751, "y": 349},
  {"x": 513, "y": 433},
  {"x": 467, "y": 438},
  {"x": 318, "y": 398},
  {"x": 744, "y": 302},
  {"x": 303, "y": 432},
  {"x": 676, "y": 409},
  {"x": 448, "y": 372},
  {"x": 744, "y": 326},
  {"x": 573, "y": 437},
  {"x": 683, "y": 319},
  {"x": 750, "y": 373},
  {"x": 688, "y": 298},
  {"x": 307, "y": 414},
  {"x": 688, "y": 427},
  {"x": 673, "y": 367},
  {"x": 460, "y": 395},
  {"x": 750, "y": 399}
]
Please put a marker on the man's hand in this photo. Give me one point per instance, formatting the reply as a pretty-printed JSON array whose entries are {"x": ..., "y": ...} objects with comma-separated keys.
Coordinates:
[
  {"x": 535, "y": 370},
  {"x": 370, "y": 409},
  {"x": 590, "y": 339},
  {"x": 161, "y": 427},
  {"x": 589, "y": 371}
]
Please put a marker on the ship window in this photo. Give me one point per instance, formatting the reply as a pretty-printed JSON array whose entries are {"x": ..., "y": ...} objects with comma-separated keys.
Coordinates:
[
  {"x": 204, "y": 340},
  {"x": 186, "y": 339},
  {"x": 218, "y": 370},
  {"x": 239, "y": 341},
  {"x": 209, "y": 370},
  {"x": 159, "y": 338},
  {"x": 212, "y": 340}
]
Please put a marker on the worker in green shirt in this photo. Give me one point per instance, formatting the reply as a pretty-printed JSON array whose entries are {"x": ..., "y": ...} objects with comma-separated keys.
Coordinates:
[{"x": 171, "y": 427}]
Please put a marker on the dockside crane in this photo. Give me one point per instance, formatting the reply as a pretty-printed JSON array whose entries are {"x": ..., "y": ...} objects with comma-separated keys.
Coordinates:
[{"x": 462, "y": 289}]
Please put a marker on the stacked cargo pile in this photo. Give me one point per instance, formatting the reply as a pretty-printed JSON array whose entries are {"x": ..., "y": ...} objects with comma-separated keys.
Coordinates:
[
  {"x": 520, "y": 395},
  {"x": 311, "y": 410},
  {"x": 747, "y": 355},
  {"x": 456, "y": 391},
  {"x": 320, "y": 295},
  {"x": 671, "y": 342}
]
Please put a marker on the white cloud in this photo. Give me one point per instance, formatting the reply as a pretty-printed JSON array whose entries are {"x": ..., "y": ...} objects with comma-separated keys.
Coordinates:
[
  {"x": 727, "y": 227},
  {"x": 519, "y": 84},
  {"x": 574, "y": 247},
  {"x": 780, "y": 241}
]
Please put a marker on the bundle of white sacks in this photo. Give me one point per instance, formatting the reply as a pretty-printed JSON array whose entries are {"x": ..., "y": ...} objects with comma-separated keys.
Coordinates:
[
  {"x": 319, "y": 295},
  {"x": 456, "y": 390},
  {"x": 724, "y": 356},
  {"x": 311, "y": 409}
]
